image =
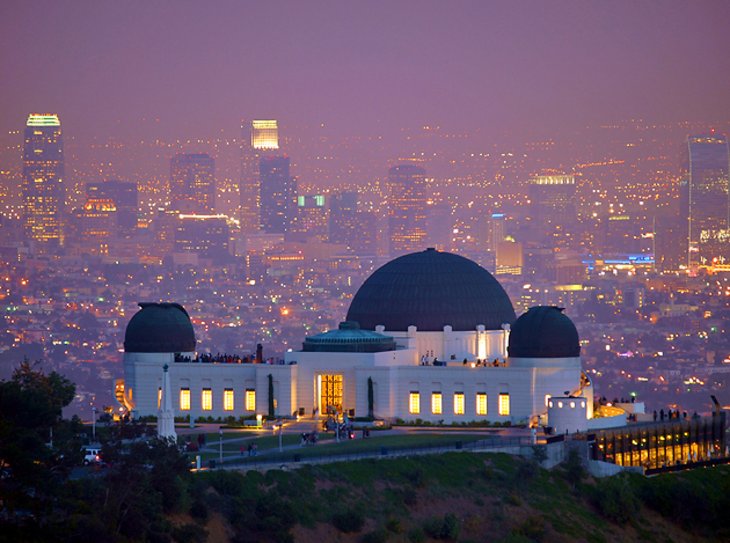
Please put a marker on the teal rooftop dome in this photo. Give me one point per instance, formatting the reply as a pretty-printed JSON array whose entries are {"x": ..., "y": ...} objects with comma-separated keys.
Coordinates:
[{"x": 349, "y": 338}]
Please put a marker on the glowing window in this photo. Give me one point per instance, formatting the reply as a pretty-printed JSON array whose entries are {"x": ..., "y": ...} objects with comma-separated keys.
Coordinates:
[
  {"x": 481, "y": 403},
  {"x": 436, "y": 403},
  {"x": 547, "y": 399},
  {"x": 159, "y": 397},
  {"x": 414, "y": 403},
  {"x": 504, "y": 404},
  {"x": 572, "y": 405},
  {"x": 582, "y": 404},
  {"x": 458, "y": 403},
  {"x": 228, "y": 399},
  {"x": 550, "y": 404},
  {"x": 206, "y": 399},
  {"x": 250, "y": 399},
  {"x": 560, "y": 405},
  {"x": 184, "y": 399}
]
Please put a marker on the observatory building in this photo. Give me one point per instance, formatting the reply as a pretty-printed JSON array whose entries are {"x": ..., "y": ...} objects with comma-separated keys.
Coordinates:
[{"x": 430, "y": 335}]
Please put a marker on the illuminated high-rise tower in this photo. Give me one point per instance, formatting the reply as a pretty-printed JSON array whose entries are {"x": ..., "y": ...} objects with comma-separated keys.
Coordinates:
[
  {"x": 44, "y": 194},
  {"x": 192, "y": 183},
  {"x": 709, "y": 201},
  {"x": 552, "y": 208},
  {"x": 407, "y": 208},
  {"x": 259, "y": 137},
  {"x": 278, "y": 194}
]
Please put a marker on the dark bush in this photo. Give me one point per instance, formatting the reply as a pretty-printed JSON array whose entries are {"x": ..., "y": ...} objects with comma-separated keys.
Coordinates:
[
  {"x": 199, "y": 510},
  {"x": 446, "y": 527},
  {"x": 348, "y": 521},
  {"x": 615, "y": 499},
  {"x": 376, "y": 536},
  {"x": 190, "y": 533}
]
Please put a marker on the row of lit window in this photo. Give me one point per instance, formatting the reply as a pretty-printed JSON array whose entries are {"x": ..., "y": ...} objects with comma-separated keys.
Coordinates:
[
  {"x": 206, "y": 399},
  {"x": 414, "y": 403}
]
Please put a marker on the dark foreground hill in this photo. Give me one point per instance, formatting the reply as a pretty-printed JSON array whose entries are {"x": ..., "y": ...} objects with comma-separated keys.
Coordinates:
[
  {"x": 457, "y": 496},
  {"x": 461, "y": 497}
]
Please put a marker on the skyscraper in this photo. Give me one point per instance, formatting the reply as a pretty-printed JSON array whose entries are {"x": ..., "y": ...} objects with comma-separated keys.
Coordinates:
[
  {"x": 124, "y": 196},
  {"x": 709, "y": 201},
  {"x": 312, "y": 216},
  {"x": 44, "y": 192},
  {"x": 259, "y": 137},
  {"x": 192, "y": 183},
  {"x": 552, "y": 207},
  {"x": 406, "y": 208},
  {"x": 278, "y": 194}
]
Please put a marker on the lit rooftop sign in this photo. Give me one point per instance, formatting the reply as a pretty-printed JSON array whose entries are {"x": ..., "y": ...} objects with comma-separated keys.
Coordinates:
[{"x": 43, "y": 119}]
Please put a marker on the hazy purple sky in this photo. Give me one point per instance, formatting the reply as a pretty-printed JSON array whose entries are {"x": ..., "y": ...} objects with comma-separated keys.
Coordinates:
[{"x": 361, "y": 67}]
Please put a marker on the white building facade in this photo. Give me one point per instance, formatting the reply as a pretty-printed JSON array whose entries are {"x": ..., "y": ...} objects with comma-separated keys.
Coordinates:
[{"x": 437, "y": 340}]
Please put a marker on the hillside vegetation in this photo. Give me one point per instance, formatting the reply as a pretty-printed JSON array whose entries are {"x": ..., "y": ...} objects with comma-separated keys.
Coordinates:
[{"x": 463, "y": 497}]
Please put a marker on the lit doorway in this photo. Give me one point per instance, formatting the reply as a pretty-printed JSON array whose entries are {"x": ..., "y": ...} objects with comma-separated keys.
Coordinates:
[{"x": 330, "y": 393}]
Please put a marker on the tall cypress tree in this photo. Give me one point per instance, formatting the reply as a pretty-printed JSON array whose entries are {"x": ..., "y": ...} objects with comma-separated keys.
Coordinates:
[
  {"x": 272, "y": 413},
  {"x": 371, "y": 398}
]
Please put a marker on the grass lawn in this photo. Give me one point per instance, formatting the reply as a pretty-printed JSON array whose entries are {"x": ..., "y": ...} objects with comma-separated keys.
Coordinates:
[{"x": 329, "y": 447}]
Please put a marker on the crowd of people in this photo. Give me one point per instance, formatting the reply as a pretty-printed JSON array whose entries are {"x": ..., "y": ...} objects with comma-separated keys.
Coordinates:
[
  {"x": 427, "y": 360},
  {"x": 225, "y": 358}
]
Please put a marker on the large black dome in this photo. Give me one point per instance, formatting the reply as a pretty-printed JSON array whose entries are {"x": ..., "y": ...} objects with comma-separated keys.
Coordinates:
[
  {"x": 160, "y": 328},
  {"x": 543, "y": 332},
  {"x": 429, "y": 290}
]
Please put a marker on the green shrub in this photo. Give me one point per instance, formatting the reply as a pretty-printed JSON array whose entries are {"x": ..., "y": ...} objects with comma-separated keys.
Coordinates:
[
  {"x": 199, "y": 511},
  {"x": 376, "y": 536},
  {"x": 533, "y": 528},
  {"x": 416, "y": 535},
  {"x": 393, "y": 525},
  {"x": 348, "y": 521},
  {"x": 190, "y": 533},
  {"x": 615, "y": 499},
  {"x": 446, "y": 527}
]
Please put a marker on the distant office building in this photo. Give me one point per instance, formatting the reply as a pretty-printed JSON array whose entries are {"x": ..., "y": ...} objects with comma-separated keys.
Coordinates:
[
  {"x": 278, "y": 194},
  {"x": 44, "y": 192},
  {"x": 670, "y": 243},
  {"x": 509, "y": 257},
  {"x": 406, "y": 208},
  {"x": 343, "y": 226},
  {"x": 205, "y": 235},
  {"x": 496, "y": 231},
  {"x": 350, "y": 226},
  {"x": 440, "y": 228},
  {"x": 259, "y": 137},
  {"x": 709, "y": 201},
  {"x": 312, "y": 216},
  {"x": 192, "y": 183},
  {"x": 125, "y": 198},
  {"x": 94, "y": 226},
  {"x": 552, "y": 207}
]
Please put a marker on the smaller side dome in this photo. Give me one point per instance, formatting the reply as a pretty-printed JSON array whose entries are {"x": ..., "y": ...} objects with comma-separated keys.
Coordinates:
[
  {"x": 349, "y": 338},
  {"x": 160, "y": 328},
  {"x": 543, "y": 332}
]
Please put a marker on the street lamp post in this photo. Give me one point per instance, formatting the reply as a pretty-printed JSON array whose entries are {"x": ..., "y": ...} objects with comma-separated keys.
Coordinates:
[
  {"x": 281, "y": 428},
  {"x": 93, "y": 424},
  {"x": 220, "y": 445}
]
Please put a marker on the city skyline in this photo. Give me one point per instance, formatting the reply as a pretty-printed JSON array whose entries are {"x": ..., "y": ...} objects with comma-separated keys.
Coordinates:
[{"x": 262, "y": 212}]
